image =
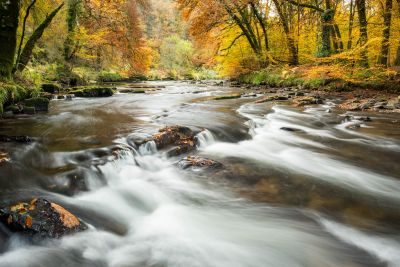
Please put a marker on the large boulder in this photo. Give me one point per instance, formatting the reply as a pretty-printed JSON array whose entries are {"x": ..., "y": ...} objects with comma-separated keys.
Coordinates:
[
  {"x": 39, "y": 103},
  {"x": 41, "y": 217},
  {"x": 172, "y": 135},
  {"x": 179, "y": 140},
  {"x": 93, "y": 91}
]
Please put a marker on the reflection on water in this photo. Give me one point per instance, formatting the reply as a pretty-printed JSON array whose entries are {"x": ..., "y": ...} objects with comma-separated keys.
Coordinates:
[{"x": 325, "y": 194}]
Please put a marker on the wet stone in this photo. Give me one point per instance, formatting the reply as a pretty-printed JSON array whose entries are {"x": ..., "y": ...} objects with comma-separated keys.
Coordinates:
[
  {"x": 18, "y": 139},
  {"x": 178, "y": 139},
  {"x": 195, "y": 161},
  {"x": 41, "y": 217},
  {"x": 4, "y": 157},
  {"x": 290, "y": 129}
]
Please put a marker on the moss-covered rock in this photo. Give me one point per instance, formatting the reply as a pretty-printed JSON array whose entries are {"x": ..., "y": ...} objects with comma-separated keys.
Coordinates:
[
  {"x": 93, "y": 91},
  {"x": 51, "y": 88},
  {"x": 12, "y": 93},
  {"x": 39, "y": 103},
  {"x": 132, "y": 91},
  {"x": 15, "y": 109},
  {"x": 29, "y": 110},
  {"x": 231, "y": 96}
]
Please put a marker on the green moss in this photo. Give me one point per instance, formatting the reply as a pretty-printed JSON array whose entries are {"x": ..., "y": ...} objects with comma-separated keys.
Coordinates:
[
  {"x": 39, "y": 103},
  {"x": 132, "y": 91},
  {"x": 93, "y": 91},
  {"x": 11, "y": 92}
]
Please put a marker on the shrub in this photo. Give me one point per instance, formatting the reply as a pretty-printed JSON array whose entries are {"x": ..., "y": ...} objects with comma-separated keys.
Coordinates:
[{"x": 108, "y": 77}]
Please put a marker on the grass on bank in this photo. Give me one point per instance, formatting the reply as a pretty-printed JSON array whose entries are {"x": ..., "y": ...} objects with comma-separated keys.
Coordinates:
[{"x": 328, "y": 77}]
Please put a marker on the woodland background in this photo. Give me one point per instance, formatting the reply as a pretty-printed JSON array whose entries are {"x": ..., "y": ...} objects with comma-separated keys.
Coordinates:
[{"x": 76, "y": 42}]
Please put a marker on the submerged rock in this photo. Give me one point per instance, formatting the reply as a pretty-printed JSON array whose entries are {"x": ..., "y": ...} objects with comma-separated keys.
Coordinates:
[
  {"x": 289, "y": 129},
  {"x": 4, "y": 157},
  {"x": 18, "y": 139},
  {"x": 307, "y": 100},
  {"x": 272, "y": 98},
  {"x": 41, "y": 217},
  {"x": 195, "y": 161},
  {"x": 231, "y": 96},
  {"x": 361, "y": 118}
]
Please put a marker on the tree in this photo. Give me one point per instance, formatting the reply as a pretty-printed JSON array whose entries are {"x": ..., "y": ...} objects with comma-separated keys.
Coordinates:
[
  {"x": 70, "y": 44},
  {"x": 176, "y": 55},
  {"x": 329, "y": 29},
  {"x": 294, "y": 58},
  {"x": 387, "y": 20},
  {"x": 26, "y": 53},
  {"x": 248, "y": 18},
  {"x": 362, "y": 19},
  {"x": 9, "y": 20},
  {"x": 397, "y": 58}
]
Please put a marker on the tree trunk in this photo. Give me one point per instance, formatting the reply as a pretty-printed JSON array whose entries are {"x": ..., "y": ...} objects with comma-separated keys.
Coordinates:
[
  {"x": 263, "y": 24},
  {"x": 397, "y": 58},
  {"x": 72, "y": 22},
  {"x": 23, "y": 30},
  {"x": 351, "y": 23},
  {"x": 387, "y": 20},
  {"x": 327, "y": 16},
  {"x": 362, "y": 18},
  {"x": 293, "y": 56},
  {"x": 338, "y": 37},
  {"x": 30, "y": 44},
  {"x": 9, "y": 16}
]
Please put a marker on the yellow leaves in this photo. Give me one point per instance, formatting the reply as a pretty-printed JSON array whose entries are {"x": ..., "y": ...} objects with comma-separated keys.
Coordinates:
[
  {"x": 28, "y": 221},
  {"x": 68, "y": 219}
]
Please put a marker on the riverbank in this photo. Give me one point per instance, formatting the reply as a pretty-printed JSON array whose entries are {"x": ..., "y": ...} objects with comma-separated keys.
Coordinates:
[
  {"x": 326, "y": 77},
  {"x": 373, "y": 89}
]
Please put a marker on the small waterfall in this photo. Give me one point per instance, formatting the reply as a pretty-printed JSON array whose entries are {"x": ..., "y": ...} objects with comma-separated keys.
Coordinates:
[
  {"x": 149, "y": 148},
  {"x": 205, "y": 138}
]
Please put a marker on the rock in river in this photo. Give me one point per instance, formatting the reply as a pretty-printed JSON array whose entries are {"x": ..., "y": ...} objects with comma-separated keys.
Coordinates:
[
  {"x": 39, "y": 103},
  {"x": 179, "y": 139},
  {"x": 4, "y": 157},
  {"x": 17, "y": 139},
  {"x": 195, "y": 161},
  {"x": 41, "y": 217}
]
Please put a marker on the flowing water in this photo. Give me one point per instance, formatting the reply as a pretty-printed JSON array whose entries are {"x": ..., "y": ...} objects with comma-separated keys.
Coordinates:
[{"x": 327, "y": 194}]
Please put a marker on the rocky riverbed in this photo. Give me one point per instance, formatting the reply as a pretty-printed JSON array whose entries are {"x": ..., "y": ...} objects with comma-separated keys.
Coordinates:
[{"x": 202, "y": 175}]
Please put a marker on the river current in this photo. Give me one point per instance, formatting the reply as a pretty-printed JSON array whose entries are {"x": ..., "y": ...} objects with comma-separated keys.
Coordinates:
[{"x": 326, "y": 194}]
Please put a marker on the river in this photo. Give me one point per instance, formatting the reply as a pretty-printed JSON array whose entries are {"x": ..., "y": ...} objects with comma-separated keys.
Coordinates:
[{"x": 327, "y": 194}]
